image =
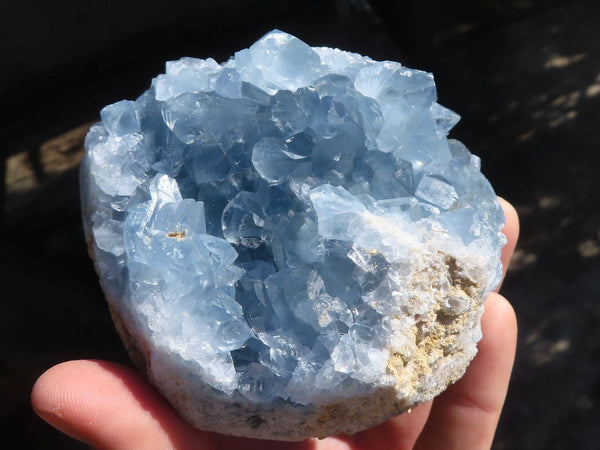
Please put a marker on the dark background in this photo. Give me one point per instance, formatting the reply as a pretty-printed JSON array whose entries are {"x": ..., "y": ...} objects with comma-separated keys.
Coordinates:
[{"x": 524, "y": 75}]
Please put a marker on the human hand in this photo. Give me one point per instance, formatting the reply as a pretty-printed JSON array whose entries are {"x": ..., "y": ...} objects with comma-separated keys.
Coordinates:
[{"x": 110, "y": 406}]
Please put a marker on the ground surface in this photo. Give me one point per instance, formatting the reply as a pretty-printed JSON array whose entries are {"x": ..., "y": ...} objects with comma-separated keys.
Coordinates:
[{"x": 525, "y": 78}]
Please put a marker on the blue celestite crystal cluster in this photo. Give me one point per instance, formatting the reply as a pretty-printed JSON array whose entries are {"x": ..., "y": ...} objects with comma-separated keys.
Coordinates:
[{"x": 291, "y": 230}]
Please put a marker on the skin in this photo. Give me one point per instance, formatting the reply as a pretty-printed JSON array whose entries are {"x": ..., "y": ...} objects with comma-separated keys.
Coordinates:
[{"x": 109, "y": 406}]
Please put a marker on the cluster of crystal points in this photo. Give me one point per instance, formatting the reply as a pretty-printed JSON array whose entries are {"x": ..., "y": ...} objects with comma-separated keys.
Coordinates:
[{"x": 257, "y": 220}]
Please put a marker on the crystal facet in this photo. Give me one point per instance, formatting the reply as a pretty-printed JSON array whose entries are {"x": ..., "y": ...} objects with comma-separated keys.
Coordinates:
[{"x": 289, "y": 236}]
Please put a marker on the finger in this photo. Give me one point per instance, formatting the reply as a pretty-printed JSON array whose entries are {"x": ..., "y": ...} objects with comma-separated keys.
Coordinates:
[
  {"x": 466, "y": 415},
  {"x": 110, "y": 406},
  {"x": 511, "y": 231}
]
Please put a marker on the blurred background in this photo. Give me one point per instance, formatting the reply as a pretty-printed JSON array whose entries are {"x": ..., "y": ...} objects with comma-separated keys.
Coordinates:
[{"x": 524, "y": 75}]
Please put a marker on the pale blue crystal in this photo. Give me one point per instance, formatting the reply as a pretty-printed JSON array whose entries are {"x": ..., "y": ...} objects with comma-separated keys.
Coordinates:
[
  {"x": 187, "y": 75},
  {"x": 120, "y": 118},
  {"x": 278, "y": 61},
  {"x": 437, "y": 191},
  {"x": 272, "y": 160},
  {"x": 256, "y": 221},
  {"x": 445, "y": 119},
  {"x": 244, "y": 220}
]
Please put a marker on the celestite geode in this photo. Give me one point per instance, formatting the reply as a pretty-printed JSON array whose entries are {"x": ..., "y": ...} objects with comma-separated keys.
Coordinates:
[{"x": 289, "y": 244}]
